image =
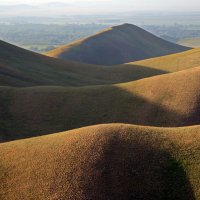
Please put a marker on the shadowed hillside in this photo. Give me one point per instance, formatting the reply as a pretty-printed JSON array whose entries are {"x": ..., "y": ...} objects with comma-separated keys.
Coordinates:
[
  {"x": 22, "y": 68},
  {"x": 166, "y": 100},
  {"x": 103, "y": 162},
  {"x": 116, "y": 45}
]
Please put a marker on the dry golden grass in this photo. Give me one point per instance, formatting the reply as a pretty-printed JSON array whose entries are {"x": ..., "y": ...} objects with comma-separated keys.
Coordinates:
[
  {"x": 113, "y": 161},
  {"x": 172, "y": 63},
  {"x": 166, "y": 100},
  {"x": 116, "y": 45}
]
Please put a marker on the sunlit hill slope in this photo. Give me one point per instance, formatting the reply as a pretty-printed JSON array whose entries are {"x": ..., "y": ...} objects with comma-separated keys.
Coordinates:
[{"x": 171, "y": 63}]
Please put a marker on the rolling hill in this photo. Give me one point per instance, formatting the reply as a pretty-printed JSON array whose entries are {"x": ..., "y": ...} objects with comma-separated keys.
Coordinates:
[
  {"x": 165, "y": 100},
  {"x": 116, "y": 45},
  {"x": 22, "y": 68},
  {"x": 114, "y": 161}
]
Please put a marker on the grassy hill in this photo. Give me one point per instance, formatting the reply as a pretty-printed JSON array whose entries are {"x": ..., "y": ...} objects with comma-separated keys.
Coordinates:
[
  {"x": 165, "y": 100},
  {"x": 116, "y": 45},
  {"x": 22, "y": 68},
  {"x": 103, "y": 162},
  {"x": 171, "y": 63}
]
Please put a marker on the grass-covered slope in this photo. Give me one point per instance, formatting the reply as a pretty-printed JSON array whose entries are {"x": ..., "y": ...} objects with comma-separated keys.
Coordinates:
[
  {"x": 171, "y": 63},
  {"x": 166, "y": 100},
  {"x": 116, "y": 45},
  {"x": 22, "y": 68},
  {"x": 103, "y": 162},
  {"x": 190, "y": 42}
]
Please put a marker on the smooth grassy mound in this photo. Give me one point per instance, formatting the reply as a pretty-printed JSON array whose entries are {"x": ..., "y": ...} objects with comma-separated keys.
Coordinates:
[
  {"x": 22, "y": 68},
  {"x": 116, "y": 45},
  {"x": 103, "y": 162},
  {"x": 166, "y": 100}
]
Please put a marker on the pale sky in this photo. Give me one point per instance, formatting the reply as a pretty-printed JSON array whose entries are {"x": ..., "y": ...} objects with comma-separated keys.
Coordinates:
[{"x": 140, "y": 5}]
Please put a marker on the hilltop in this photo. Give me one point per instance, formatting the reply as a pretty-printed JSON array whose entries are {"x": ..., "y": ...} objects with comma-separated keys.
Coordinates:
[
  {"x": 165, "y": 100},
  {"x": 114, "y": 161},
  {"x": 116, "y": 45}
]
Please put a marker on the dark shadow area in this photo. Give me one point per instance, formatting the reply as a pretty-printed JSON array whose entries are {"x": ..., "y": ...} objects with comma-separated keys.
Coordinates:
[
  {"x": 6, "y": 119},
  {"x": 136, "y": 168},
  {"x": 194, "y": 117},
  {"x": 39, "y": 111},
  {"x": 175, "y": 182}
]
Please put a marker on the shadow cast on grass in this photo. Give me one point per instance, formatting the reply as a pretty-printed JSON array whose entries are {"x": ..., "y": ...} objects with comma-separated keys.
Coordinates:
[
  {"x": 140, "y": 170},
  {"x": 130, "y": 167},
  {"x": 134, "y": 72},
  {"x": 39, "y": 111}
]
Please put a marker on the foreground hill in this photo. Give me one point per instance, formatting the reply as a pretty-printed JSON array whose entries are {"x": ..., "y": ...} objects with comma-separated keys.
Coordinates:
[
  {"x": 116, "y": 45},
  {"x": 166, "y": 100},
  {"x": 171, "y": 63},
  {"x": 22, "y": 68},
  {"x": 103, "y": 162}
]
